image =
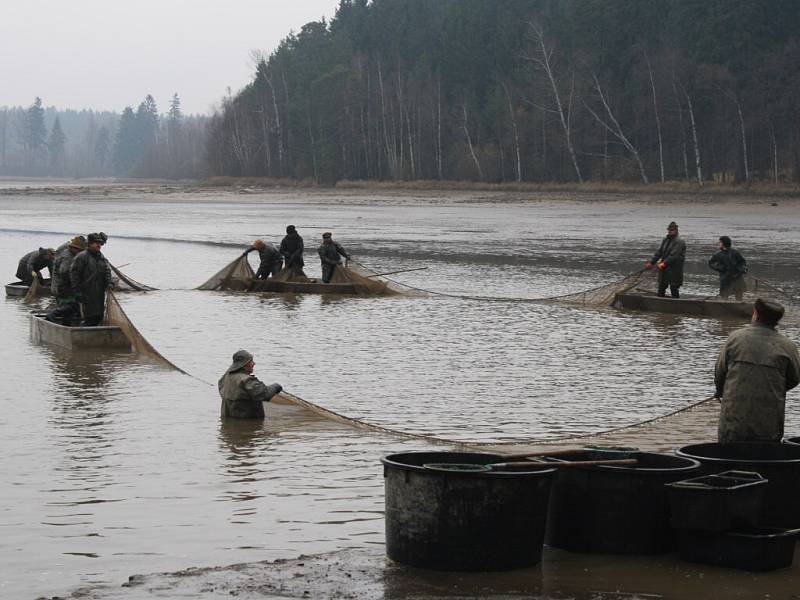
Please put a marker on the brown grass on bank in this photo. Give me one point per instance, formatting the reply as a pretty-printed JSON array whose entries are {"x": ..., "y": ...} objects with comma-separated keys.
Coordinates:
[{"x": 599, "y": 187}]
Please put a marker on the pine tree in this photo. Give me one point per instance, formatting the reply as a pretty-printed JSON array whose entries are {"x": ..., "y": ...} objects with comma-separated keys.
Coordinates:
[
  {"x": 56, "y": 147},
  {"x": 127, "y": 149}
]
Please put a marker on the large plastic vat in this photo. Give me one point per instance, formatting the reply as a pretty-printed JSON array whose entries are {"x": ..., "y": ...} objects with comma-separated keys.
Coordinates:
[
  {"x": 463, "y": 520},
  {"x": 613, "y": 509},
  {"x": 779, "y": 463}
]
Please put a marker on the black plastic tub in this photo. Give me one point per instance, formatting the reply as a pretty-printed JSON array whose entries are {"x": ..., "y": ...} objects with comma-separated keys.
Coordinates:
[
  {"x": 463, "y": 519},
  {"x": 730, "y": 500},
  {"x": 756, "y": 549},
  {"x": 614, "y": 509},
  {"x": 777, "y": 462}
]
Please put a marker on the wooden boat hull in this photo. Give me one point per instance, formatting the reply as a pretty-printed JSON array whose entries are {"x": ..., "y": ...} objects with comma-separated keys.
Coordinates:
[
  {"x": 78, "y": 338},
  {"x": 301, "y": 287},
  {"x": 702, "y": 306},
  {"x": 18, "y": 289}
]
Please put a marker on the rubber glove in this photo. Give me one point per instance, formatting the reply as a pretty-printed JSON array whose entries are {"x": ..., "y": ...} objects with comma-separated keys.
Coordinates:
[
  {"x": 648, "y": 265},
  {"x": 662, "y": 266}
]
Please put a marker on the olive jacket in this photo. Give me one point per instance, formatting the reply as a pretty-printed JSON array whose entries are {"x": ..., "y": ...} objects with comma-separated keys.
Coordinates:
[
  {"x": 90, "y": 277},
  {"x": 754, "y": 370},
  {"x": 243, "y": 395},
  {"x": 673, "y": 252}
]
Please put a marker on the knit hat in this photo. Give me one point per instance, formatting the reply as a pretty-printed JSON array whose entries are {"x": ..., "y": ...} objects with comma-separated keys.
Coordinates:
[
  {"x": 769, "y": 311},
  {"x": 290, "y": 229},
  {"x": 78, "y": 242},
  {"x": 258, "y": 244},
  {"x": 726, "y": 241},
  {"x": 672, "y": 225}
]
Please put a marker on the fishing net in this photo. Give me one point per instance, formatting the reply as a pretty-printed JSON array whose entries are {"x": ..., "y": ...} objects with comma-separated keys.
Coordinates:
[
  {"x": 643, "y": 280},
  {"x": 126, "y": 284},
  {"x": 236, "y": 275},
  {"x": 115, "y": 316},
  {"x": 35, "y": 290}
]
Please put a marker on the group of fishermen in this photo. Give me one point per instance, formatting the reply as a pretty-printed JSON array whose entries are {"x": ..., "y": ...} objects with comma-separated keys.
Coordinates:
[
  {"x": 290, "y": 255},
  {"x": 79, "y": 278},
  {"x": 670, "y": 257}
]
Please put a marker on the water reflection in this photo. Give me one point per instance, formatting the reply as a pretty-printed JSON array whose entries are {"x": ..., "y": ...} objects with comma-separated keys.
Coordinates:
[{"x": 243, "y": 443}]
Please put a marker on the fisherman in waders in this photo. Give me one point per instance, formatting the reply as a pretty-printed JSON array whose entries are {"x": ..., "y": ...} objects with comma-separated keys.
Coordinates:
[
  {"x": 755, "y": 369},
  {"x": 243, "y": 395},
  {"x": 90, "y": 277},
  {"x": 669, "y": 259},
  {"x": 32, "y": 263},
  {"x": 731, "y": 266},
  {"x": 67, "y": 310},
  {"x": 271, "y": 259},
  {"x": 292, "y": 249},
  {"x": 330, "y": 253}
]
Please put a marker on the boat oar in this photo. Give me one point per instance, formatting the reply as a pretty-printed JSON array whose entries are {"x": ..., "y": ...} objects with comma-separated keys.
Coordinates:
[
  {"x": 540, "y": 453},
  {"x": 528, "y": 465},
  {"x": 395, "y": 272}
]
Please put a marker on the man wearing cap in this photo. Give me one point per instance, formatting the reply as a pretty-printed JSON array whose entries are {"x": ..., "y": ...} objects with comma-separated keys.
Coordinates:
[
  {"x": 90, "y": 277},
  {"x": 67, "y": 310},
  {"x": 271, "y": 259},
  {"x": 32, "y": 263},
  {"x": 243, "y": 395},
  {"x": 754, "y": 370},
  {"x": 330, "y": 253},
  {"x": 731, "y": 266},
  {"x": 292, "y": 249},
  {"x": 669, "y": 259}
]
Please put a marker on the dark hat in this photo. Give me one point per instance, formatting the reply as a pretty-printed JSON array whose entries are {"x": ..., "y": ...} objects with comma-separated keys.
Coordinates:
[
  {"x": 672, "y": 225},
  {"x": 240, "y": 359},
  {"x": 94, "y": 237},
  {"x": 290, "y": 228},
  {"x": 327, "y": 234},
  {"x": 726, "y": 241},
  {"x": 769, "y": 312},
  {"x": 103, "y": 237}
]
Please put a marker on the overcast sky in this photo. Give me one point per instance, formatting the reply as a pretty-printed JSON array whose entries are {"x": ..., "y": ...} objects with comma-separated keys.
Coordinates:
[{"x": 107, "y": 54}]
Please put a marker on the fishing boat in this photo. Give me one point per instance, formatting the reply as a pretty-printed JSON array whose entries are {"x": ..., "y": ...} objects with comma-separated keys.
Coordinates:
[
  {"x": 101, "y": 337},
  {"x": 704, "y": 306},
  {"x": 312, "y": 286},
  {"x": 17, "y": 289}
]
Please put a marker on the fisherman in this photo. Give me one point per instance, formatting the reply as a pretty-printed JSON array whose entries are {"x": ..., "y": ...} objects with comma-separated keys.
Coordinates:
[
  {"x": 731, "y": 266},
  {"x": 292, "y": 248},
  {"x": 242, "y": 393},
  {"x": 271, "y": 259},
  {"x": 90, "y": 277},
  {"x": 669, "y": 259},
  {"x": 330, "y": 253},
  {"x": 32, "y": 263},
  {"x": 67, "y": 310},
  {"x": 755, "y": 369},
  {"x": 61, "y": 251}
]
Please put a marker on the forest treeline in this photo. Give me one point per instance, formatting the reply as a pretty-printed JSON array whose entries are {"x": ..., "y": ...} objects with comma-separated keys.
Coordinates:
[
  {"x": 38, "y": 141},
  {"x": 524, "y": 90}
]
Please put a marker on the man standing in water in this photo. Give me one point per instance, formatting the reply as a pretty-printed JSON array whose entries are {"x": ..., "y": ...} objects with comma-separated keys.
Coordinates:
[
  {"x": 90, "y": 277},
  {"x": 330, "y": 253},
  {"x": 755, "y": 369},
  {"x": 243, "y": 395},
  {"x": 292, "y": 249},
  {"x": 731, "y": 266},
  {"x": 271, "y": 259},
  {"x": 669, "y": 259}
]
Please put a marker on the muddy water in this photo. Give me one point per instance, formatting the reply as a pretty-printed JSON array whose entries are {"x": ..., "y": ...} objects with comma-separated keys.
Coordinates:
[{"x": 113, "y": 466}]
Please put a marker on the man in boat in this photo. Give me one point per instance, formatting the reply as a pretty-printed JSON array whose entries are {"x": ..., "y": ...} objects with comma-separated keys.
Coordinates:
[
  {"x": 754, "y": 370},
  {"x": 62, "y": 251},
  {"x": 669, "y": 259},
  {"x": 32, "y": 263},
  {"x": 731, "y": 266},
  {"x": 271, "y": 259},
  {"x": 243, "y": 395},
  {"x": 292, "y": 249},
  {"x": 330, "y": 253},
  {"x": 90, "y": 277},
  {"x": 67, "y": 310}
]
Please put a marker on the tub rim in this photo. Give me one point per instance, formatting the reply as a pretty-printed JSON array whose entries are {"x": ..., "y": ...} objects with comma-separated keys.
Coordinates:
[{"x": 755, "y": 461}]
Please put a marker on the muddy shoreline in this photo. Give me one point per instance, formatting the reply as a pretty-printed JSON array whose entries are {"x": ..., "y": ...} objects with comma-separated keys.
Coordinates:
[{"x": 365, "y": 573}]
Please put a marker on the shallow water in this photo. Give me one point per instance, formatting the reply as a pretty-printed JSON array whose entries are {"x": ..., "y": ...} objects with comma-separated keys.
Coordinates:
[{"x": 113, "y": 466}]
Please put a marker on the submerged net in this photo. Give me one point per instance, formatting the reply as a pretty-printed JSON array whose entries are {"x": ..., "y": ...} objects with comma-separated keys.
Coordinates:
[{"x": 35, "y": 290}]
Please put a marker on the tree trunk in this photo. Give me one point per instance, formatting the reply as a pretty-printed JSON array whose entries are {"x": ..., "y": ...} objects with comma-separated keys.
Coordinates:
[
  {"x": 469, "y": 142},
  {"x": 515, "y": 130},
  {"x": 694, "y": 136},
  {"x": 658, "y": 118},
  {"x": 774, "y": 152},
  {"x": 744, "y": 140}
]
